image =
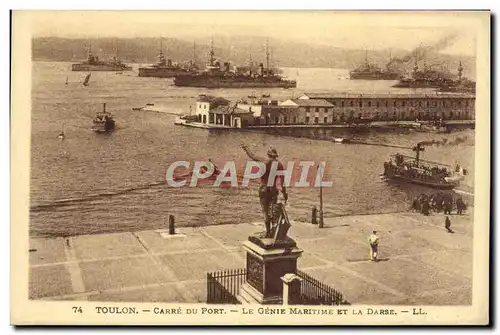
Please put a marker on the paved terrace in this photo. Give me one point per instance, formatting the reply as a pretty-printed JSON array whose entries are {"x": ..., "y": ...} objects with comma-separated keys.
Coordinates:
[{"x": 423, "y": 263}]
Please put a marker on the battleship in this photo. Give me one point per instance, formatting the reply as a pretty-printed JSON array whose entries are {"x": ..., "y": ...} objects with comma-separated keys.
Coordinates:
[
  {"x": 462, "y": 85},
  {"x": 94, "y": 64},
  {"x": 370, "y": 71},
  {"x": 216, "y": 77},
  {"x": 164, "y": 68},
  {"x": 427, "y": 78}
]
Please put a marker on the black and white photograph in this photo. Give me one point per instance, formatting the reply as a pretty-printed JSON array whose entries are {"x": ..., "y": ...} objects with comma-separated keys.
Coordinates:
[{"x": 217, "y": 167}]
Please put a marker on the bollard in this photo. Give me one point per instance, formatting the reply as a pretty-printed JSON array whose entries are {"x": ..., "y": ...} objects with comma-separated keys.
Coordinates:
[
  {"x": 171, "y": 225},
  {"x": 313, "y": 216},
  {"x": 291, "y": 289}
]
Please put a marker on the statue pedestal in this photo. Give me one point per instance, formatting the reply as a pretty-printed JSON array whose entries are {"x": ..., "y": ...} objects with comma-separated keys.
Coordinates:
[{"x": 267, "y": 261}]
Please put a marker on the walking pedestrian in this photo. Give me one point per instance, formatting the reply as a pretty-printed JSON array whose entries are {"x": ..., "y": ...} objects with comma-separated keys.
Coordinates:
[
  {"x": 373, "y": 240},
  {"x": 447, "y": 225}
]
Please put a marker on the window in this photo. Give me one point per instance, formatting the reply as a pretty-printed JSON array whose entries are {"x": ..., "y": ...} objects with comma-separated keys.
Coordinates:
[
  {"x": 352, "y": 103},
  {"x": 307, "y": 119},
  {"x": 360, "y": 103},
  {"x": 394, "y": 103},
  {"x": 427, "y": 104},
  {"x": 360, "y": 116},
  {"x": 403, "y": 103},
  {"x": 334, "y": 103},
  {"x": 276, "y": 119},
  {"x": 378, "y": 104},
  {"x": 369, "y": 103},
  {"x": 316, "y": 119},
  {"x": 342, "y": 116},
  {"x": 334, "y": 118},
  {"x": 294, "y": 119},
  {"x": 285, "y": 119},
  {"x": 420, "y": 104},
  {"x": 325, "y": 119},
  {"x": 342, "y": 103},
  {"x": 387, "y": 104}
]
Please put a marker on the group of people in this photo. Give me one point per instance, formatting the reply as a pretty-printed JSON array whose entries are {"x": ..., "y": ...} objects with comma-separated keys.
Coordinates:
[{"x": 438, "y": 202}]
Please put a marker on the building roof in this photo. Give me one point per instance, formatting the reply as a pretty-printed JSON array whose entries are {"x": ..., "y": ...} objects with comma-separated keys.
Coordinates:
[
  {"x": 345, "y": 95},
  {"x": 309, "y": 103},
  {"x": 229, "y": 110},
  {"x": 212, "y": 99}
]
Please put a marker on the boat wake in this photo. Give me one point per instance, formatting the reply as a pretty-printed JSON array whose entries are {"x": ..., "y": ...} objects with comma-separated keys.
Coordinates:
[{"x": 92, "y": 197}]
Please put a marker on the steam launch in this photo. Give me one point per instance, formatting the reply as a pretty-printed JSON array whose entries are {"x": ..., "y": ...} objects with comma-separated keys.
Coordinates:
[{"x": 215, "y": 76}]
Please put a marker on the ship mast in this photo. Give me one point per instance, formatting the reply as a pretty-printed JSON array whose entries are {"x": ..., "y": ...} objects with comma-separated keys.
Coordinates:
[
  {"x": 194, "y": 52},
  {"x": 212, "y": 53},
  {"x": 460, "y": 69},
  {"x": 267, "y": 54}
]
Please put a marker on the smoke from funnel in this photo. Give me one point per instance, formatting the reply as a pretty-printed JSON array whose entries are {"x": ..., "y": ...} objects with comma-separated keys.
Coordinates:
[
  {"x": 420, "y": 52},
  {"x": 444, "y": 141}
]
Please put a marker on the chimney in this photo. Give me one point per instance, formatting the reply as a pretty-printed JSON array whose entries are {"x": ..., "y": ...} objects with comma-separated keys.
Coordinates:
[
  {"x": 261, "y": 69},
  {"x": 104, "y": 107},
  {"x": 169, "y": 62}
]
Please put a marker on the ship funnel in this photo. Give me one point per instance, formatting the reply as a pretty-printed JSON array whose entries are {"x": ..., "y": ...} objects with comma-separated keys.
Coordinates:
[
  {"x": 104, "y": 107},
  {"x": 226, "y": 66},
  {"x": 261, "y": 69},
  {"x": 169, "y": 62}
]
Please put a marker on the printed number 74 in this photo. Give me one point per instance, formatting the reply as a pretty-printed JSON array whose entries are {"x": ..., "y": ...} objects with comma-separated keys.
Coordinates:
[{"x": 77, "y": 309}]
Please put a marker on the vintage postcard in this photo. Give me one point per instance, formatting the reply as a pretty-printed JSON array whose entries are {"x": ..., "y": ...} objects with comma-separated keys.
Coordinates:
[{"x": 250, "y": 167}]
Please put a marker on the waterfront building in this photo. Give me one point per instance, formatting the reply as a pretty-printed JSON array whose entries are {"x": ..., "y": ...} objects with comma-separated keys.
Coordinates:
[
  {"x": 387, "y": 107},
  {"x": 211, "y": 110}
]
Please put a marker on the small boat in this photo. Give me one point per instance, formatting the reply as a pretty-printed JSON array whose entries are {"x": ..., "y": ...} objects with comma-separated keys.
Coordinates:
[
  {"x": 61, "y": 135},
  {"x": 423, "y": 172},
  {"x": 340, "y": 140},
  {"x": 103, "y": 121},
  {"x": 87, "y": 79}
]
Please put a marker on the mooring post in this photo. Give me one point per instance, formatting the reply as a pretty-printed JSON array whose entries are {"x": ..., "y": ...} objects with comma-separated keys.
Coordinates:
[
  {"x": 314, "y": 219},
  {"x": 171, "y": 225},
  {"x": 320, "y": 206}
]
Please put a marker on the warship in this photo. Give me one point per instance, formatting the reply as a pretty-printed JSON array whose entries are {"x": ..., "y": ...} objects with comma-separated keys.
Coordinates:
[
  {"x": 216, "y": 77},
  {"x": 164, "y": 68},
  {"x": 94, "y": 64},
  {"x": 371, "y": 71},
  {"x": 462, "y": 85},
  {"x": 427, "y": 78}
]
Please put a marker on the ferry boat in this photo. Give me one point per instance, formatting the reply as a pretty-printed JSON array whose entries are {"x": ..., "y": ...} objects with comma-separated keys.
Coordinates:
[
  {"x": 423, "y": 172},
  {"x": 103, "y": 121}
]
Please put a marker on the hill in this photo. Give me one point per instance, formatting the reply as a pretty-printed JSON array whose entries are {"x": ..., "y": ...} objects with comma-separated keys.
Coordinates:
[{"x": 237, "y": 49}]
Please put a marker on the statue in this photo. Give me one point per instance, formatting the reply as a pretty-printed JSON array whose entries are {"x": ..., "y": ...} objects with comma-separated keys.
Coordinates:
[{"x": 274, "y": 212}]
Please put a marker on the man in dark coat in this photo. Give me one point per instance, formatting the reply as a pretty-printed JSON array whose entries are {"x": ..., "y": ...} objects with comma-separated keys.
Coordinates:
[{"x": 447, "y": 225}]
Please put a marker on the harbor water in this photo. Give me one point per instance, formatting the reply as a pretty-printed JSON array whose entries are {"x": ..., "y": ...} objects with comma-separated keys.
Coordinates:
[{"x": 95, "y": 183}]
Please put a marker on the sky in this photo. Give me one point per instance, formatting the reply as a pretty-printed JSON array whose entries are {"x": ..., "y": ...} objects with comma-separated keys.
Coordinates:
[{"x": 352, "y": 30}]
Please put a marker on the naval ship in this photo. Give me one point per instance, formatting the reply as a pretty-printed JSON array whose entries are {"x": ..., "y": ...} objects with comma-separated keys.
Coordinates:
[
  {"x": 462, "y": 85},
  {"x": 427, "y": 78},
  {"x": 370, "y": 71},
  {"x": 164, "y": 68},
  {"x": 94, "y": 64},
  {"x": 216, "y": 77}
]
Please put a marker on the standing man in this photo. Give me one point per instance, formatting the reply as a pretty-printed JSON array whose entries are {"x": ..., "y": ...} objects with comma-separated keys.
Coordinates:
[
  {"x": 373, "y": 240},
  {"x": 268, "y": 195},
  {"x": 447, "y": 225}
]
